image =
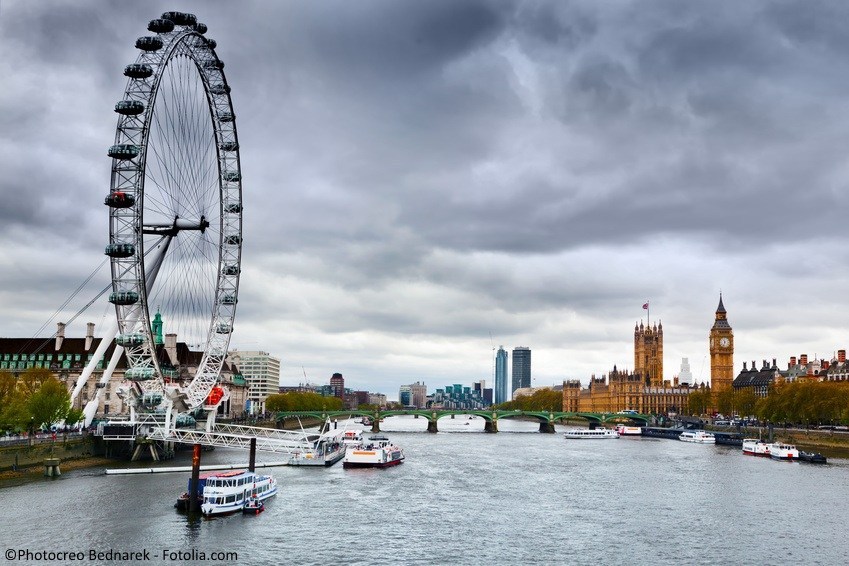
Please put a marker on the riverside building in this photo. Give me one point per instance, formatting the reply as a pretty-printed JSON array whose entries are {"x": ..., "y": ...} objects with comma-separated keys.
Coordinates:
[
  {"x": 643, "y": 390},
  {"x": 261, "y": 372},
  {"x": 66, "y": 358}
]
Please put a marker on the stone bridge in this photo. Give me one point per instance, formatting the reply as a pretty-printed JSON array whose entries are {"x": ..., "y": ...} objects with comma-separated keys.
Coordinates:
[{"x": 546, "y": 419}]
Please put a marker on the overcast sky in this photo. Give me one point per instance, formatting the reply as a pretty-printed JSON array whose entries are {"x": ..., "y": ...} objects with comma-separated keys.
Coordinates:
[{"x": 420, "y": 175}]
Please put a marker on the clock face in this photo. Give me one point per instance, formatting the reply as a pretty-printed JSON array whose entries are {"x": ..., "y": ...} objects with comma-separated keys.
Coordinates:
[{"x": 724, "y": 342}]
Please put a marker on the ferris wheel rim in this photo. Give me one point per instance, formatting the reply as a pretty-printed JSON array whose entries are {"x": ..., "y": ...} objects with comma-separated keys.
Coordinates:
[{"x": 131, "y": 275}]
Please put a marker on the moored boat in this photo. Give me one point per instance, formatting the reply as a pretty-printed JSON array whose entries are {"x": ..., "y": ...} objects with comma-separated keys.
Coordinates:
[
  {"x": 585, "y": 433},
  {"x": 697, "y": 437},
  {"x": 781, "y": 451},
  {"x": 327, "y": 449},
  {"x": 253, "y": 507},
  {"x": 376, "y": 452},
  {"x": 755, "y": 447},
  {"x": 812, "y": 457},
  {"x": 625, "y": 430},
  {"x": 350, "y": 437},
  {"x": 228, "y": 492}
]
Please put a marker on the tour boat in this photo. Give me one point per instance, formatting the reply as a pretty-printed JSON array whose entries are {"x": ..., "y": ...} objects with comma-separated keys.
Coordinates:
[
  {"x": 755, "y": 447},
  {"x": 625, "y": 430},
  {"x": 697, "y": 436},
  {"x": 228, "y": 492},
  {"x": 580, "y": 433},
  {"x": 781, "y": 451},
  {"x": 376, "y": 452}
]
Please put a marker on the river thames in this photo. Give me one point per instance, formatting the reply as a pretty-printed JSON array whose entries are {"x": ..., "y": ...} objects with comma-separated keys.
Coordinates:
[{"x": 463, "y": 497}]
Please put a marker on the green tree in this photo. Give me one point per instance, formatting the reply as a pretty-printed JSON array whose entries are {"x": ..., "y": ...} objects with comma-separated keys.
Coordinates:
[
  {"x": 31, "y": 379},
  {"x": 49, "y": 404},
  {"x": 542, "y": 400},
  {"x": 74, "y": 416},
  {"x": 699, "y": 401},
  {"x": 725, "y": 401},
  {"x": 744, "y": 402},
  {"x": 302, "y": 401}
]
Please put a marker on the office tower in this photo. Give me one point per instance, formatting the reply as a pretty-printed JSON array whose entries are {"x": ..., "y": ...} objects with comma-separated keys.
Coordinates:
[
  {"x": 501, "y": 376},
  {"x": 337, "y": 384},
  {"x": 521, "y": 368},
  {"x": 262, "y": 375}
]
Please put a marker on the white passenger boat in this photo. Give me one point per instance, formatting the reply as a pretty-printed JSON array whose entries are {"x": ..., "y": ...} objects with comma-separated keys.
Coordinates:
[
  {"x": 781, "y": 451},
  {"x": 697, "y": 436},
  {"x": 376, "y": 452},
  {"x": 352, "y": 437},
  {"x": 228, "y": 492},
  {"x": 625, "y": 430},
  {"x": 326, "y": 449},
  {"x": 755, "y": 447},
  {"x": 581, "y": 433}
]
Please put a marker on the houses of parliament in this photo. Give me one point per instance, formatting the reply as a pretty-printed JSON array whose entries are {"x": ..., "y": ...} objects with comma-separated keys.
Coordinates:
[{"x": 644, "y": 389}]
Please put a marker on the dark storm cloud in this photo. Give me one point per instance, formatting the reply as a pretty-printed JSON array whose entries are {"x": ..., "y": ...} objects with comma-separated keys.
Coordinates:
[{"x": 423, "y": 170}]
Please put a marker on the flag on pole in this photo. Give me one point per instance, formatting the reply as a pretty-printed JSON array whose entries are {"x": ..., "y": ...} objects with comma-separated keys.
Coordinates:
[{"x": 646, "y": 306}]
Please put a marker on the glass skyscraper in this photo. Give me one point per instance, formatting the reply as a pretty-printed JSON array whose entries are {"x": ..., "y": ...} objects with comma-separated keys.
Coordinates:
[
  {"x": 501, "y": 376},
  {"x": 521, "y": 368}
]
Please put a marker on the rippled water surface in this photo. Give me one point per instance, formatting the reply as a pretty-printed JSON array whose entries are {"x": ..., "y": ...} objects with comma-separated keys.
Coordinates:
[{"x": 465, "y": 497}]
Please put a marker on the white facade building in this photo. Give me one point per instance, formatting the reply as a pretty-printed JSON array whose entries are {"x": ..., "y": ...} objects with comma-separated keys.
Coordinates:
[{"x": 262, "y": 375}]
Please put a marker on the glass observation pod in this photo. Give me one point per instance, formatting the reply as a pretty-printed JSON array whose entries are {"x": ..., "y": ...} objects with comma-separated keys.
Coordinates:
[
  {"x": 180, "y": 18},
  {"x": 123, "y": 151},
  {"x": 151, "y": 399},
  {"x": 129, "y": 107},
  {"x": 230, "y": 270},
  {"x": 233, "y": 207},
  {"x": 229, "y": 146},
  {"x": 139, "y": 374},
  {"x": 214, "y": 64},
  {"x": 149, "y": 43},
  {"x": 120, "y": 250},
  {"x": 220, "y": 89},
  {"x": 124, "y": 298},
  {"x": 200, "y": 28},
  {"x": 160, "y": 26},
  {"x": 228, "y": 300},
  {"x": 212, "y": 43},
  {"x": 99, "y": 385},
  {"x": 170, "y": 373},
  {"x": 138, "y": 71},
  {"x": 185, "y": 420},
  {"x": 119, "y": 199},
  {"x": 223, "y": 328},
  {"x": 129, "y": 339},
  {"x": 226, "y": 117},
  {"x": 232, "y": 176},
  {"x": 233, "y": 239}
]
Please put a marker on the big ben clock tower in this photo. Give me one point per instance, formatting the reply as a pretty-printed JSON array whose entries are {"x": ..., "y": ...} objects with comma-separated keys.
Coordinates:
[{"x": 721, "y": 351}]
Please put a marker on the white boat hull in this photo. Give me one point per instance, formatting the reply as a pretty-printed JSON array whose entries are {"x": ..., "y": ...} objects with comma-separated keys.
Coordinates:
[
  {"x": 755, "y": 447},
  {"x": 584, "y": 434},
  {"x": 221, "y": 499},
  {"x": 783, "y": 452},
  {"x": 697, "y": 437}
]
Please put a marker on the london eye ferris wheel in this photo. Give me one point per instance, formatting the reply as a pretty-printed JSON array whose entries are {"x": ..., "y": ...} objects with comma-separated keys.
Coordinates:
[{"x": 175, "y": 209}]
